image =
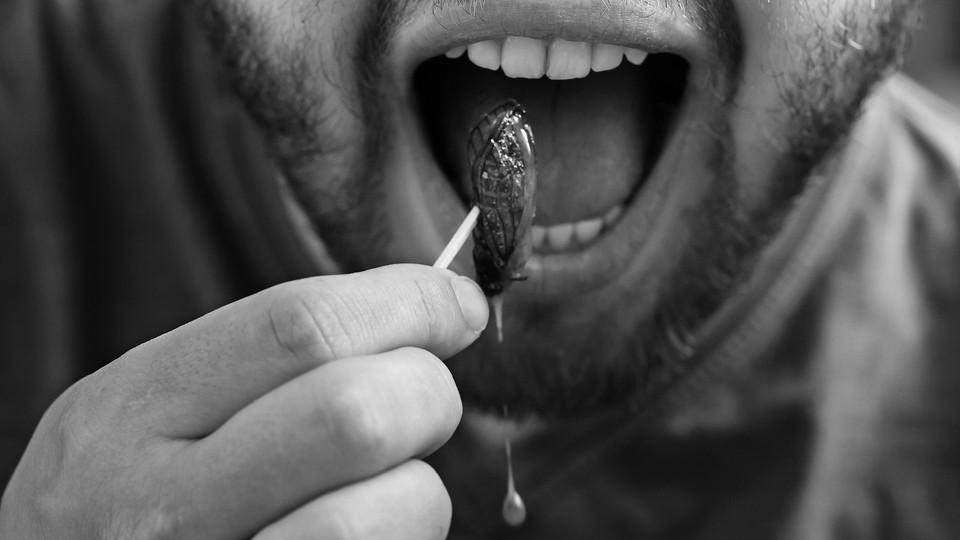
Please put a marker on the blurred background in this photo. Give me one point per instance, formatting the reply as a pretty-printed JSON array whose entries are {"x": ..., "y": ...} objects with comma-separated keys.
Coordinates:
[{"x": 935, "y": 56}]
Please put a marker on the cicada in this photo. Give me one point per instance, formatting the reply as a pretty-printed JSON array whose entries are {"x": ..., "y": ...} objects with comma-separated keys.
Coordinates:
[{"x": 503, "y": 170}]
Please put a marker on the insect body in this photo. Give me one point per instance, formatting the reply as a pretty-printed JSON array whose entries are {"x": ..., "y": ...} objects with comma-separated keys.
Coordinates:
[
  {"x": 503, "y": 171},
  {"x": 504, "y": 176}
]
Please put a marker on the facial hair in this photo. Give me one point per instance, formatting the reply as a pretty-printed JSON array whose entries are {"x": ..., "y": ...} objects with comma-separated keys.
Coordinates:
[{"x": 822, "y": 99}]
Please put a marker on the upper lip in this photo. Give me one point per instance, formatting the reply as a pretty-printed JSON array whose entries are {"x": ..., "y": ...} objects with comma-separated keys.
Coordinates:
[{"x": 438, "y": 28}]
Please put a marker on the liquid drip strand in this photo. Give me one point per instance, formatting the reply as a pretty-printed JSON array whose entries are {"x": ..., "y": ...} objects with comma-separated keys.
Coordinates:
[
  {"x": 497, "y": 303},
  {"x": 514, "y": 511}
]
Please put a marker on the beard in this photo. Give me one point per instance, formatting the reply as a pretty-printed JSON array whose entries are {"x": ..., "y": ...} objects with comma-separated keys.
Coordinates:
[
  {"x": 613, "y": 367},
  {"x": 823, "y": 102}
]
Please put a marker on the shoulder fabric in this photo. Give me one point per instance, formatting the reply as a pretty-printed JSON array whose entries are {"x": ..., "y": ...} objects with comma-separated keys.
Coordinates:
[
  {"x": 887, "y": 338},
  {"x": 933, "y": 122}
]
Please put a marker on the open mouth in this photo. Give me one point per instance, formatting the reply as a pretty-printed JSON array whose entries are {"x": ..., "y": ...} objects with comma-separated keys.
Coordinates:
[
  {"x": 600, "y": 115},
  {"x": 616, "y": 103}
]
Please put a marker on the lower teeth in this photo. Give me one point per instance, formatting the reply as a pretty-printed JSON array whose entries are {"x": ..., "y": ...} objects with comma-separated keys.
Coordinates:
[{"x": 566, "y": 235}]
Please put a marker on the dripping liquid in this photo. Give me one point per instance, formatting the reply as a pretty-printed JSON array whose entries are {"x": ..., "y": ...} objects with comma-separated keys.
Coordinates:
[
  {"x": 496, "y": 302},
  {"x": 514, "y": 511}
]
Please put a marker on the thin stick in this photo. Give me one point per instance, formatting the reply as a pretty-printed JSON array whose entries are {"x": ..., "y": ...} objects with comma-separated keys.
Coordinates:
[{"x": 459, "y": 238}]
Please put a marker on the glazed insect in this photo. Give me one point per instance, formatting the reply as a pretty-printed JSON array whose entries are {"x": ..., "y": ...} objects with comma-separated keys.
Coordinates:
[{"x": 503, "y": 172}]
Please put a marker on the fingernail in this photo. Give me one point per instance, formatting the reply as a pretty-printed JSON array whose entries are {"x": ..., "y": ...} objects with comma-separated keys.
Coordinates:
[{"x": 473, "y": 303}]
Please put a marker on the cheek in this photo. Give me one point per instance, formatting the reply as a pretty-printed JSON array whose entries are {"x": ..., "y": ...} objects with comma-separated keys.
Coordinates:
[
  {"x": 295, "y": 67},
  {"x": 309, "y": 36},
  {"x": 783, "y": 42},
  {"x": 779, "y": 33}
]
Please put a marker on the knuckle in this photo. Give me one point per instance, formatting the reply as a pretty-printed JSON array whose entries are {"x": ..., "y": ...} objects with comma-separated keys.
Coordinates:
[
  {"x": 88, "y": 481},
  {"x": 86, "y": 430},
  {"x": 431, "y": 302},
  {"x": 357, "y": 425},
  {"x": 438, "y": 385},
  {"x": 66, "y": 468},
  {"x": 440, "y": 396},
  {"x": 426, "y": 301},
  {"x": 56, "y": 510},
  {"x": 439, "y": 308},
  {"x": 441, "y": 386},
  {"x": 72, "y": 439},
  {"x": 311, "y": 326}
]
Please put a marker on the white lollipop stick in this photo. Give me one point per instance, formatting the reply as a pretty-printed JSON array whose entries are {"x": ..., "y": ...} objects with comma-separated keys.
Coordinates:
[{"x": 459, "y": 238}]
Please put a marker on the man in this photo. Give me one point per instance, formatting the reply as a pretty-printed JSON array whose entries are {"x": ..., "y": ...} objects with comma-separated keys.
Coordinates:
[{"x": 739, "y": 320}]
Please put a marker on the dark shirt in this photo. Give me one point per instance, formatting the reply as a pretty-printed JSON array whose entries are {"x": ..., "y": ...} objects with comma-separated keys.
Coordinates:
[{"x": 135, "y": 195}]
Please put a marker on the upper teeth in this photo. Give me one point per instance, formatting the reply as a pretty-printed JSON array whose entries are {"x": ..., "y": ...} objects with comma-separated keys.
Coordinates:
[{"x": 529, "y": 58}]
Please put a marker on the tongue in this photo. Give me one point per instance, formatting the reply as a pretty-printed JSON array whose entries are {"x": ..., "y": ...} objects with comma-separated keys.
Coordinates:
[{"x": 591, "y": 134}]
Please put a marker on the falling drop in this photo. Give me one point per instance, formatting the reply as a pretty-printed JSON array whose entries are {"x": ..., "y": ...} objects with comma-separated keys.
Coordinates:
[{"x": 514, "y": 511}]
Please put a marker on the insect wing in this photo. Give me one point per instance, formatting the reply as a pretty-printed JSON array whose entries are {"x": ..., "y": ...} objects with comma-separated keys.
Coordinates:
[
  {"x": 528, "y": 207},
  {"x": 497, "y": 193},
  {"x": 500, "y": 150}
]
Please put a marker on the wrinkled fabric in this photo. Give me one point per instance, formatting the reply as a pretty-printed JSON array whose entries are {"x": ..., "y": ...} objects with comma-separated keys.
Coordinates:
[{"x": 136, "y": 195}]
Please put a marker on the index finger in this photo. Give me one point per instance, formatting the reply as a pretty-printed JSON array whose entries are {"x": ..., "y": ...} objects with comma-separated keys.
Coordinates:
[{"x": 197, "y": 376}]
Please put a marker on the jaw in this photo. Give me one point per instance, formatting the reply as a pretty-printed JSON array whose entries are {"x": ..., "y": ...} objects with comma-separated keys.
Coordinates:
[{"x": 598, "y": 326}]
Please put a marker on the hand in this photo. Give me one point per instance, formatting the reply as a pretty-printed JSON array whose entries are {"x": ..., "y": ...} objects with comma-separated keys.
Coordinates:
[{"x": 298, "y": 412}]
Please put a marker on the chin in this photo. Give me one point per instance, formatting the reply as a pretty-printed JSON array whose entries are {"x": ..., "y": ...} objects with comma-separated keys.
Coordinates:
[{"x": 655, "y": 167}]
